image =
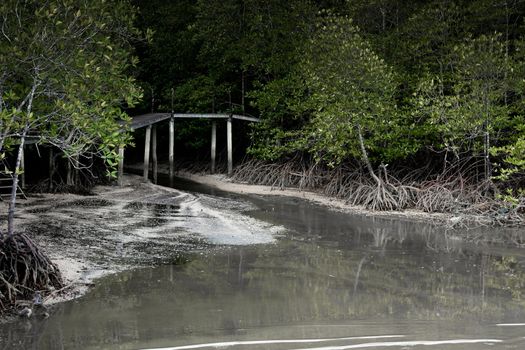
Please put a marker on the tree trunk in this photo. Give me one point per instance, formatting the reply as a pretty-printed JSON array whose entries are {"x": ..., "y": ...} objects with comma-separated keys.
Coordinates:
[
  {"x": 51, "y": 168},
  {"x": 505, "y": 78},
  {"x": 14, "y": 187},
  {"x": 69, "y": 176},
  {"x": 3, "y": 136},
  {"x": 486, "y": 150},
  {"x": 12, "y": 200},
  {"x": 243, "y": 91},
  {"x": 3, "y": 133},
  {"x": 486, "y": 136},
  {"x": 152, "y": 100},
  {"x": 364, "y": 153}
]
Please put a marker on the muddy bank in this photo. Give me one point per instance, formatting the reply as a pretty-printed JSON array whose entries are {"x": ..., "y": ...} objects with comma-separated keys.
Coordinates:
[
  {"x": 139, "y": 224},
  {"x": 476, "y": 230},
  {"x": 224, "y": 183}
]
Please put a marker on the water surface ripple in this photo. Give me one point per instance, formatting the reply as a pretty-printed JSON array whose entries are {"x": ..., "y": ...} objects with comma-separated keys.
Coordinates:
[{"x": 330, "y": 281}]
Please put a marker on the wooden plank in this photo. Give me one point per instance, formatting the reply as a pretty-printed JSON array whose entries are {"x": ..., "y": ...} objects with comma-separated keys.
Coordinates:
[
  {"x": 19, "y": 193},
  {"x": 144, "y": 120},
  {"x": 215, "y": 116},
  {"x": 201, "y": 116},
  {"x": 147, "y": 143},
  {"x": 141, "y": 121},
  {"x": 246, "y": 118}
]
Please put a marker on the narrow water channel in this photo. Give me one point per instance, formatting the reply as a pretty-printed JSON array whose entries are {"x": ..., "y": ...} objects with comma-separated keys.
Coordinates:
[{"x": 329, "y": 281}]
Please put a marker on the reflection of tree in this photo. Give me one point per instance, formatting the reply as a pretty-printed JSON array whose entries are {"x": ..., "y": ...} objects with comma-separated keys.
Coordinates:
[
  {"x": 508, "y": 276},
  {"x": 293, "y": 282},
  {"x": 359, "y": 267}
]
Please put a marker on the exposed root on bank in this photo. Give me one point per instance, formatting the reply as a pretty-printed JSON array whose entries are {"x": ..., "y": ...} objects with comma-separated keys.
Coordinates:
[
  {"x": 24, "y": 270},
  {"x": 452, "y": 192}
]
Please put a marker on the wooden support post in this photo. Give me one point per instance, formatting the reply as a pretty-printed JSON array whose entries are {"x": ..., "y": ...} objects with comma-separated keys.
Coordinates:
[
  {"x": 229, "y": 145},
  {"x": 213, "y": 145},
  {"x": 22, "y": 169},
  {"x": 120, "y": 175},
  {"x": 171, "y": 150},
  {"x": 154, "y": 152},
  {"x": 147, "y": 143}
]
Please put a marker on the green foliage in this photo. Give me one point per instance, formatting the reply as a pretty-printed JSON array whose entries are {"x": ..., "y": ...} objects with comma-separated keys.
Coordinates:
[
  {"x": 351, "y": 87},
  {"x": 284, "y": 111},
  {"x": 64, "y": 74},
  {"x": 259, "y": 36},
  {"x": 513, "y": 151},
  {"x": 511, "y": 197},
  {"x": 428, "y": 79},
  {"x": 470, "y": 107},
  {"x": 514, "y": 155}
]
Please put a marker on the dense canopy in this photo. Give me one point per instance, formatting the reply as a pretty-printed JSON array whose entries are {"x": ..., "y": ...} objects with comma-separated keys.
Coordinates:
[{"x": 434, "y": 84}]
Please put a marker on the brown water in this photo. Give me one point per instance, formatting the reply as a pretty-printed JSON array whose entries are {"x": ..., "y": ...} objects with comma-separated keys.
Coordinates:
[{"x": 331, "y": 281}]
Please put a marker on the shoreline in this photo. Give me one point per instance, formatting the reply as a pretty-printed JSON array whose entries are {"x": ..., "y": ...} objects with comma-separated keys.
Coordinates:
[
  {"x": 61, "y": 223},
  {"x": 469, "y": 229},
  {"x": 120, "y": 228},
  {"x": 61, "y": 220},
  {"x": 223, "y": 183}
]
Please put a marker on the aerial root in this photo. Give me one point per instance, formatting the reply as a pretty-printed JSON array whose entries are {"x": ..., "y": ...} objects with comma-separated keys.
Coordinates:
[
  {"x": 24, "y": 270},
  {"x": 448, "y": 192}
]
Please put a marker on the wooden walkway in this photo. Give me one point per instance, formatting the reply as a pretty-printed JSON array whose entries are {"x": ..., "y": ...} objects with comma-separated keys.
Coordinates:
[
  {"x": 150, "y": 120},
  {"x": 144, "y": 120}
]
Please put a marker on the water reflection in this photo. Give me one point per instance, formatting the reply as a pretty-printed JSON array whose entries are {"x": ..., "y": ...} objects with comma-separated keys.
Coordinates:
[
  {"x": 332, "y": 276},
  {"x": 245, "y": 291}
]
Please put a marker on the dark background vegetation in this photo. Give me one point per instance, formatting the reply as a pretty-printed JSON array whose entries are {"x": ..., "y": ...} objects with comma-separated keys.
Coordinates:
[{"x": 248, "y": 55}]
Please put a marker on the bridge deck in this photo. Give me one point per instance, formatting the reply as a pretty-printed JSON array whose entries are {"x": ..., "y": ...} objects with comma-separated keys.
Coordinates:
[{"x": 144, "y": 120}]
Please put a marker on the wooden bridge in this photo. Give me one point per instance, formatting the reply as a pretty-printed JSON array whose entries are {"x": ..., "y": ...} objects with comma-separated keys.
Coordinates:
[{"x": 149, "y": 122}]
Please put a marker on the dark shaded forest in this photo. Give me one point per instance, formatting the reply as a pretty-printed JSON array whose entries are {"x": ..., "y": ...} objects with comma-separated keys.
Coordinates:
[{"x": 390, "y": 104}]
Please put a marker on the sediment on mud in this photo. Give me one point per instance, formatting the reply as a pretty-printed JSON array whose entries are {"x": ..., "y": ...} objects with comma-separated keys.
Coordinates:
[
  {"x": 117, "y": 228},
  {"x": 454, "y": 191}
]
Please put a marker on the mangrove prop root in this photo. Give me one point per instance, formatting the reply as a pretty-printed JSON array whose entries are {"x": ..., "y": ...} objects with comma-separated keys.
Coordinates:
[
  {"x": 24, "y": 270},
  {"x": 457, "y": 190}
]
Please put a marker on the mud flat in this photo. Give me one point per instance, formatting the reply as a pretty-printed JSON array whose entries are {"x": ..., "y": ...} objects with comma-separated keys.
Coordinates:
[
  {"x": 139, "y": 224},
  {"x": 224, "y": 183}
]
